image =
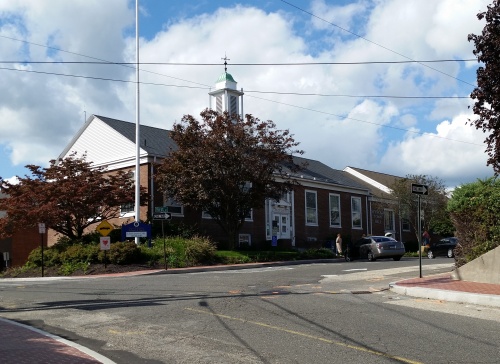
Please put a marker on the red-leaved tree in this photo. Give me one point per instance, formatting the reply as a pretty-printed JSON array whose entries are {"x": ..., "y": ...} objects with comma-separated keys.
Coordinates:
[
  {"x": 226, "y": 166},
  {"x": 68, "y": 196}
]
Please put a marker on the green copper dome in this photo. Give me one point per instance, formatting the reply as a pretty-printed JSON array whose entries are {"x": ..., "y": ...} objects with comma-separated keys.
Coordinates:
[{"x": 225, "y": 77}]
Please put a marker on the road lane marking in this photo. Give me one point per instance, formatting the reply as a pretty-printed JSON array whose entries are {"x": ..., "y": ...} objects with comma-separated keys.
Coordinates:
[{"x": 309, "y": 336}]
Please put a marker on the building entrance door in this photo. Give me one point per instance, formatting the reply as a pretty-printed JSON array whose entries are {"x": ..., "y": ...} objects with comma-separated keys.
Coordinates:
[{"x": 281, "y": 226}]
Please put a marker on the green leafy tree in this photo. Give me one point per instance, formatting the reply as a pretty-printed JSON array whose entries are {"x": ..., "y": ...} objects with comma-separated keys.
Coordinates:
[
  {"x": 226, "y": 166},
  {"x": 487, "y": 92},
  {"x": 68, "y": 196},
  {"x": 434, "y": 216},
  {"x": 475, "y": 212}
]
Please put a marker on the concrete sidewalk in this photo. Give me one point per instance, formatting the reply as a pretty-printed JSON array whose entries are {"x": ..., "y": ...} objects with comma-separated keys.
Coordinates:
[
  {"x": 24, "y": 344},
  {"x": 443, "y": 287}
]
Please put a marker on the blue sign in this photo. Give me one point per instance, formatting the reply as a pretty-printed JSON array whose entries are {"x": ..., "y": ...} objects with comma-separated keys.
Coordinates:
[
  {"x": 274, "y": 241},
  {"x": 136, "y": 230}
]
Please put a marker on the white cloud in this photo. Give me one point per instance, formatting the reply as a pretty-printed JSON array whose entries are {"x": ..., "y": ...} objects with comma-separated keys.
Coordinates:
[
  {"x": 455, "y": 153},
  {"x": 41, "y": 113}
]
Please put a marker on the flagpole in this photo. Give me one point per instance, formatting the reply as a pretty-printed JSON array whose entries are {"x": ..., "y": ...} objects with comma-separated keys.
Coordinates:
[{"x": 137, "y": 124}]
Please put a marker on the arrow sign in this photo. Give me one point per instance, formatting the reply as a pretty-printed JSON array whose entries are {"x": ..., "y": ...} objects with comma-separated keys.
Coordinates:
[
  {"x": 163, "y": 216},
  {"x": 419, "y": 189}
]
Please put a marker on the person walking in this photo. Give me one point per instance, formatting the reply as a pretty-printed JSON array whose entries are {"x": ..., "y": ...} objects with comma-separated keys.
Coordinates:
[
  {"x": 338, "y": 244},
  {"x": 427, "y": 238}
]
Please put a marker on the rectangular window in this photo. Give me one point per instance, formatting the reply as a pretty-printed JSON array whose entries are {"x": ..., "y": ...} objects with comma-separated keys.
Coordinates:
[
  {"x": 174, "y": 207},
  {"x": 334, "y": 210},
  {"x": 127, "y": 208},
  {"x": 356, "y": 212},
  {"x": 389, "y": 220},
  {"x": 311, "y": 208},
  {"x": 233, "y": 107},
  {"x": 218, "y": 103}
]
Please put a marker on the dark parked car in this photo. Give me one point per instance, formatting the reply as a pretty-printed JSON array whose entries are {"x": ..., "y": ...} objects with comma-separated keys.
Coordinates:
[
  {"x": 375, "y": 247},
  {"x": 444, "y": 247}
]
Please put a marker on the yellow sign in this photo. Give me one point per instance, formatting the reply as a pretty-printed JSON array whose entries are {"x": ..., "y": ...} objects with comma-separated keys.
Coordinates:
[{"x": 104, "y": 228}]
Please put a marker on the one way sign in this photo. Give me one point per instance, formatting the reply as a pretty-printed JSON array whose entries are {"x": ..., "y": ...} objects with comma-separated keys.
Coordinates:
[
  {"x": 162, "y": 216},
  {"x": 419, "y": 189}
]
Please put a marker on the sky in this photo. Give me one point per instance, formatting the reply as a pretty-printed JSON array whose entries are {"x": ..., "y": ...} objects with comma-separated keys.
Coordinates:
[{"x": 351, "y": 80}]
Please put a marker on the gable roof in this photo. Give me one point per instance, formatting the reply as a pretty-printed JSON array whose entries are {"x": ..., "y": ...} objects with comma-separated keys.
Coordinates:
[
  {"x": 156, "y": 142},
  {"x": 379, "y": 183},
  {"x": 317, "y": 171}
]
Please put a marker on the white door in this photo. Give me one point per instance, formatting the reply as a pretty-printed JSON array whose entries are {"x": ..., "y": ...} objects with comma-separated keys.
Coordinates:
[{"x": 281, "y": 226}]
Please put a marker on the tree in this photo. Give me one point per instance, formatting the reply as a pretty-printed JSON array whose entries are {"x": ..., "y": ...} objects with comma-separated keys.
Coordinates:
[
  {"x": 226, "y": 166},
  {"x": 68, "y": 196},
  {"x": 487, "y": 92},
  {"x": 475, "y": 211},
  {"x": 434, "y": 215}
]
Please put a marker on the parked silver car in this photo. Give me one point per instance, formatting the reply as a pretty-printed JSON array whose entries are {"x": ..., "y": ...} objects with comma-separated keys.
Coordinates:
[{"x": 375, "y": 247}]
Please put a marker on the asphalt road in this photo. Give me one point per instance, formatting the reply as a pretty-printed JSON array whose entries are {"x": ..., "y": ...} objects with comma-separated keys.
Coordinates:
[{"x": 315, "y": 313}]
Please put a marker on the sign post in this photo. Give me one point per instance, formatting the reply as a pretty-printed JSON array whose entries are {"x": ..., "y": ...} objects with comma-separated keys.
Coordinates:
[
  {"x": 419, "y": 190},
  {"x": 41, "y": 230},
  {"x": 161, "y": 213},
  {"x": 104, "y": 228}
]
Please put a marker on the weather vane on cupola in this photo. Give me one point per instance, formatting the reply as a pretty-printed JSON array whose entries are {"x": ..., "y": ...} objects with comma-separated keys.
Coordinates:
[{"x": 225, "y": 62}]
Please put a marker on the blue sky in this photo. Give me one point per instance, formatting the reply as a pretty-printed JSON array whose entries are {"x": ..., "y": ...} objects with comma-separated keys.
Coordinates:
[{"x": 329, "y": 71}]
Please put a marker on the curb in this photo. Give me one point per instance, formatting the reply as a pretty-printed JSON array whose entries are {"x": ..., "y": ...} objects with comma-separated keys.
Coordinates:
[
  {"x": 447, "y": 295},
  {"x": 91, "y": 353}
]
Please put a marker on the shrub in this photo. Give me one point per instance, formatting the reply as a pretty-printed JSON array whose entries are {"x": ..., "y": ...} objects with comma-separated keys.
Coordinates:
[
  {"x": 474, "y": 209},
  {"x": 321, "y": 253},
  {"x": 51, "y": 257},
  {"x": 122, "y": 253},
  {"x": 199, "y": 250},
  {"x": 80, "y": 254}
]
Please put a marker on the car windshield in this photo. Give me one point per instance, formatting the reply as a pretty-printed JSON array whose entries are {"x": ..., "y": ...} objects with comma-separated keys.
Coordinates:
[{"x": 383, "y": 239}]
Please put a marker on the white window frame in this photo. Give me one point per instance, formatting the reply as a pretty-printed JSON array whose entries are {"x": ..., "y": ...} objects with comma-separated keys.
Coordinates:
[
  {"x": 354, "y": 212},
  {"x": 337, "y": 196},
  {"x": 311, "y": 208}
]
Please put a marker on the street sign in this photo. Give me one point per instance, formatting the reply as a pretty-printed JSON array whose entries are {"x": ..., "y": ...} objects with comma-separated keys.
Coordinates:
[
  {"x": 161, "y": 210},
  {"x": 419, "y": 189},
  {"x": 104, "y": 228},
  {"x": 41, "y": 228},
  {"x": 136, "y": 230},
  {"x": 105, "y": 243},
  {"x": 162, "y": 216}
]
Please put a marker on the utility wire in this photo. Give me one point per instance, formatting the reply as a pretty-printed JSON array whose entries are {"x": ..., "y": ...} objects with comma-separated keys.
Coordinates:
[
  {"x": 246, "y": 91},
  {"x": 375, "y": 43},
  {"x": 237, "y": 64},
  {"x": 128, "y": 65},
  {"x": 368, "y": 122},
  {"x": 206, "y": 86}
]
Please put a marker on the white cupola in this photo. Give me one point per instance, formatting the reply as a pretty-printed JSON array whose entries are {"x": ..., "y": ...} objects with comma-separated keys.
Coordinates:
[{"x": 227, "y": 97}]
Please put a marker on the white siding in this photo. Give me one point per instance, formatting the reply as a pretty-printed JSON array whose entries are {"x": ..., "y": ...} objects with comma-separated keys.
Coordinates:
[{"x": 104, "y": 145}]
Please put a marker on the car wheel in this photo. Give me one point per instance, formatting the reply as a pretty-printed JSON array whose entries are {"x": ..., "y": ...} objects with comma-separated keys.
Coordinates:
[
  {"x": 347, "y": 258},
  {"x": 396, "y": 258},
  {"x": 450, "y": 253},
  {"x": 430, "y": 254},
  {"x": 371, "y": 258}
]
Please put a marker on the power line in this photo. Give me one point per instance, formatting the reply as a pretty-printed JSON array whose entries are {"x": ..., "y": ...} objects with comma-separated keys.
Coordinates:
[
  {"x": 375, "y": 43},
  {"x": 358, "y": 96},
  {"x": 99, "y": 59},
  {"x": 367, "y": 122},
  {"x": 246, "y": 91},
  {"x": 239, "y": 64}
]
